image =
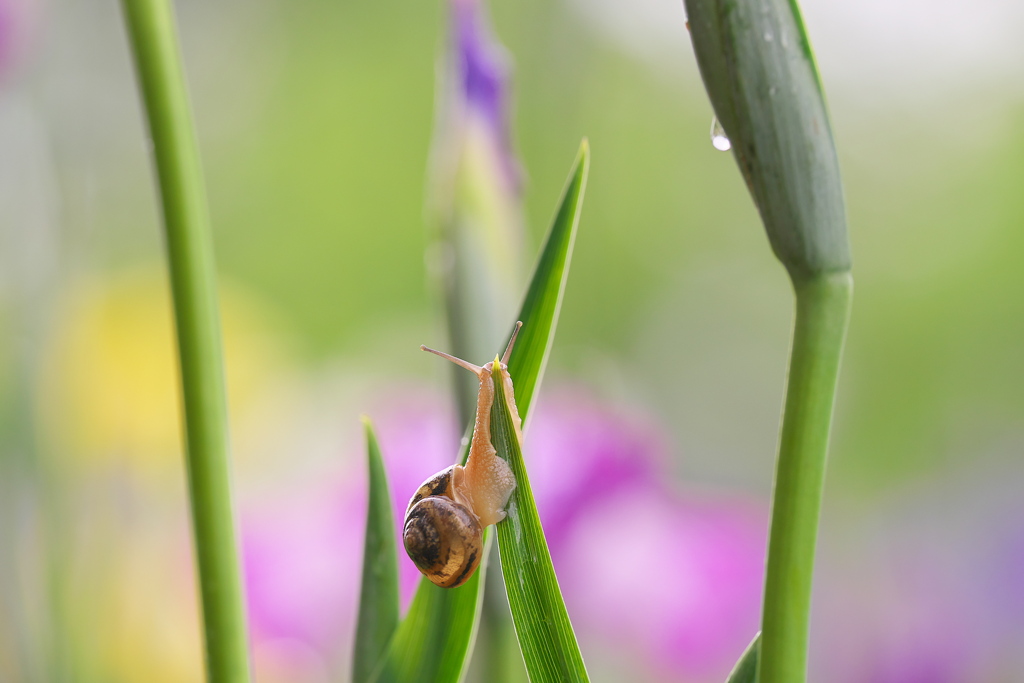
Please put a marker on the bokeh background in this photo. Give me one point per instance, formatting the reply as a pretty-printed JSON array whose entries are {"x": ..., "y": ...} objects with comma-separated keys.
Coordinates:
[{"x": 316, "y": 119}]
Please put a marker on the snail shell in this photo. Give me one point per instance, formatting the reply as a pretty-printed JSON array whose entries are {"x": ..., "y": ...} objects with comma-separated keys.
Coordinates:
[
  {"x": 444, "y": 522},
  {"x": 443, "y": 537}
]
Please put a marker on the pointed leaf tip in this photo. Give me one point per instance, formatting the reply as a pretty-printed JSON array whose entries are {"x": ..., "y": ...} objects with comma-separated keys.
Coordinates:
[
  {"x": 745, "y": 670},
  {"x": 378, "y": 597}
]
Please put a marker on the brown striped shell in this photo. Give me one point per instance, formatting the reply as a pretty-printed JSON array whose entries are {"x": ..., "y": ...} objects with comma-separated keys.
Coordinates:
[{"x": 442, "y": 537}]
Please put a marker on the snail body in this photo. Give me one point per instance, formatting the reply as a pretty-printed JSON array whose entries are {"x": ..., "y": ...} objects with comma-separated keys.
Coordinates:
[{"x": 444, "y": 522}]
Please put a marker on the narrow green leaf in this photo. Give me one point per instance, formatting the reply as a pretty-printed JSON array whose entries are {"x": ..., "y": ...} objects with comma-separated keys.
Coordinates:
[
  {"x": 745, "y": 670},
  {"x": 378, "y": 597},
  {"x": 433, "y": 642},
  {"x": 538, "y": 611}
]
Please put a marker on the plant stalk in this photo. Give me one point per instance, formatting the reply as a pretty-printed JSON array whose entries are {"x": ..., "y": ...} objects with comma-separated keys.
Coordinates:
[
  {"x": 153, "y": 37},
  {"x": 822, "y": 313}
]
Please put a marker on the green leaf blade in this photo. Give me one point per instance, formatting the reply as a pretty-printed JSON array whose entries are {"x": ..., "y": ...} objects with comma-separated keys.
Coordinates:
[
  {"x": 434, "y": 640},
  {"x": 745, "y": 670},
  {"x": 378, "y": 597},
  {"x": 542, "y": 624}
]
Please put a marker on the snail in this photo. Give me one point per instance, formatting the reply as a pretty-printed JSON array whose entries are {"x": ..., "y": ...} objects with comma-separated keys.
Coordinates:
[{"x": 444, "y": 523}]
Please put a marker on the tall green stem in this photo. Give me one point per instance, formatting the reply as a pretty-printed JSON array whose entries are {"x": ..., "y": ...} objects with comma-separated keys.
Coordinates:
[
  {"x": 756, "y": 63},
  {"x": 153, "y": 36},
  {"x": 822, "y": 312}
]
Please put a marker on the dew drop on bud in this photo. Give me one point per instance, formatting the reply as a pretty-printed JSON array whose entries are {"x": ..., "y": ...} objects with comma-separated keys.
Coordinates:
[{"x": 718, "y": 138}]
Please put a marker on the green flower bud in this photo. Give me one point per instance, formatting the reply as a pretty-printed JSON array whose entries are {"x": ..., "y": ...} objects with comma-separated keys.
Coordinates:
[{"x": 759, "y": 72}]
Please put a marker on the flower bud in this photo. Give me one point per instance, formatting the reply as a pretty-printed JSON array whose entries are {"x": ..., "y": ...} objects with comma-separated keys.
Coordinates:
[
  {"x": 475, "y": 199},
  {"x": 759, "y": 72}
]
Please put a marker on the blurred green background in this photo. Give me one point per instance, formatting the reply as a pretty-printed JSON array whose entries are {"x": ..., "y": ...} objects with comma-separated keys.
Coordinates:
[{"x": 315, "y": 121}]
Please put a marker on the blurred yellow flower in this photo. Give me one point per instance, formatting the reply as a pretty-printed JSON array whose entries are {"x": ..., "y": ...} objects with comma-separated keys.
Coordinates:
[
  {"x": 109, "y": 407},
  {"x": 109, "y": 389}
]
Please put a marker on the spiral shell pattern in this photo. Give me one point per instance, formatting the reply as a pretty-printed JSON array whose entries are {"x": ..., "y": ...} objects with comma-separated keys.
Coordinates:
[{"x": 444, "y": 540}]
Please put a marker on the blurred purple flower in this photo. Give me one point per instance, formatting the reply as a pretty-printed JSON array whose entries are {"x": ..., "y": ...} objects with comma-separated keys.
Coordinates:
[
  {"x": 1000, "y": 589},
  {"x": 300, "y": 554},
  {"x": 475, "y": 201},
  {"x": 899, "y": 603},
  {"x": 923, "y": 632},
  {"x": 674, "y": 581},
  {"x": 302, "y": 550},
  {"x": 677, "y": 581},
  {"x": 579, "y": 451},
  {"x": 17, "y": 18},
  {"x": 1006, "y": 589},
  {"x": 418, "y": 438},
  {"x": 475, "y": 90},
  {"x": 6, "y": 31}
]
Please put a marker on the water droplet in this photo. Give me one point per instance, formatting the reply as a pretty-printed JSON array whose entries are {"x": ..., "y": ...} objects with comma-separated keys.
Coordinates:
[
  {"x": 785, "y": 43},
  {"x": 772, "y": 90},
  {"x": 718, "y": 138},
  {"x": 768, "y": 37}
]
